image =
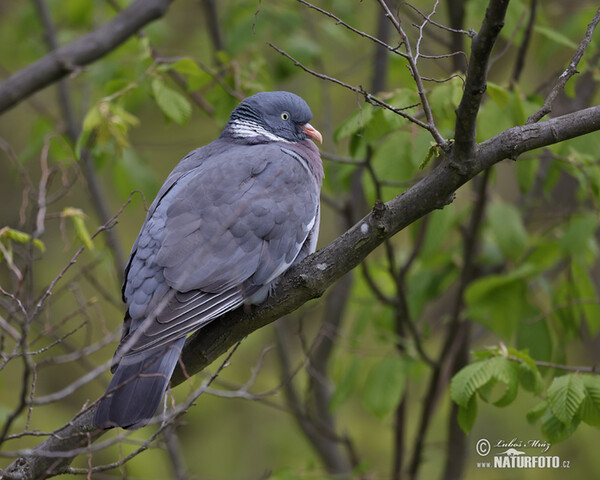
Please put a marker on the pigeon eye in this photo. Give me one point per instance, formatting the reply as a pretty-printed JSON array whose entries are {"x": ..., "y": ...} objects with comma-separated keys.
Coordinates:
[{"x": 285, "y": 116}]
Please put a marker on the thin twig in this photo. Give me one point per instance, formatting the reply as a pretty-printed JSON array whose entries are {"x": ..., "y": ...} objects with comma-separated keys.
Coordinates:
[
  {"x": 412, "y": 61},
  {"x": 568, "y": 73},
  {"x": 369, "y": 97}
]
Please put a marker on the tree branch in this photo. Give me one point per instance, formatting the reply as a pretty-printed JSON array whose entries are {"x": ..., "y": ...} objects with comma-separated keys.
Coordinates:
[
  {"x": 315, "y": 274},
  {"x": 568, "y": 73},
  {"x": 475, "y": 86},
  {"x": 74, "y": 56}
]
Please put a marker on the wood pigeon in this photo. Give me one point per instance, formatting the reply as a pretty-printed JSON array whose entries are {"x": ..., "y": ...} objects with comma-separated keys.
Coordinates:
[{"x": 230, "y": 218}]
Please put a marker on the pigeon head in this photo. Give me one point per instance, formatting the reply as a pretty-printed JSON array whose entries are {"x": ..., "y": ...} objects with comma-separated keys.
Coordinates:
[{"x": 272, "y": 116}]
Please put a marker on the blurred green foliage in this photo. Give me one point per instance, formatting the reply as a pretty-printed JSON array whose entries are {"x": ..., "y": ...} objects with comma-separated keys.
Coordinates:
[{"x": 536, "y": 289}]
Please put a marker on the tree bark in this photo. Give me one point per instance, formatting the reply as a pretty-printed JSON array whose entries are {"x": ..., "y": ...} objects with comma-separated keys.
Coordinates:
[
  {"x": 316, "y": 273},
  {"x": 72, "y": 57}
]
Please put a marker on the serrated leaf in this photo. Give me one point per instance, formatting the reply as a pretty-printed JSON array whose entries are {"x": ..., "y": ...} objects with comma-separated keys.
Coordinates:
[
  {"x": 565, "y": 396},
  {"x": 555, "y": 430},
  {"x": 174, "y": 105},
  {"x": 345, "y": 386},
  {"x": 506, "y": 372},
  {"x": 467, "y": 415},
  {"x": 385, "y": 386},
  {"x": 468, "y": 380},
  {"x": 529, "y": 375},
  {"x": 590, "y": 409}
]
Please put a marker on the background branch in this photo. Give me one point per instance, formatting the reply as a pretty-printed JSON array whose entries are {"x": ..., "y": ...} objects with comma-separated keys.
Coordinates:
[
  {"x": 316, "y": 273},
  {"x": 72, "y": 57},
  {"x": 475, "y": 85}
]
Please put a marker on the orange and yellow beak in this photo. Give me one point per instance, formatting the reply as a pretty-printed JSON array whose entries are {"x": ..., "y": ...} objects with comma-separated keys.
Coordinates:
[{"x": 312, "y": 132}]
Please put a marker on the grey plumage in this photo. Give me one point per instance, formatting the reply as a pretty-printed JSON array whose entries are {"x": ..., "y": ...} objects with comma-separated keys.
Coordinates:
[{"x": 230, "y": 218}]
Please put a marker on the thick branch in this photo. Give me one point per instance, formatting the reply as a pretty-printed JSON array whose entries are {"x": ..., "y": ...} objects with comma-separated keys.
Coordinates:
[
  {"x": 72, "y": 57},
  {"x": 316, "y": 273},
  {"x": 475, "y": 85}
]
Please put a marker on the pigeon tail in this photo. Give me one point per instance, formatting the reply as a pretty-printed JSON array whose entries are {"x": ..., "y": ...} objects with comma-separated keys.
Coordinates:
[{"x": 137, "y": 387}]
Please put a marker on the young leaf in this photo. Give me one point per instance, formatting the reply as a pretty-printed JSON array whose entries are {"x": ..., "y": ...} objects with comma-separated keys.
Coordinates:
[
  {"x": 505, "y": 371},
  {"x": 555, "y": 430},
  {"x": 468, "y": 380},
  {"x": 529, "y": 375},
  {"x": 433, "y": 152},
  {"x": 590, "y": 409},
  {"x": 467, "y": 414},
  {"x": 21, "y": 237},
  {"x": 565, "y": 396},
  {"x": 77, "y": 217},
  {"x": 174, "y": 105}
]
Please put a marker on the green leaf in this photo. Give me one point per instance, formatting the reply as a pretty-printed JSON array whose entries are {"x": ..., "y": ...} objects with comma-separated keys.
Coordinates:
[
  {"x": 467, "y": 415},
  {"x": 131, "y": 173},
  {"x": 555, "y": 36},
  {"x": 187, "y": 66},
  {"x": 565, "y": 396},
  {"x": 77, "y": 217},
  {"x": 21, "y": 237},
  {"x": 529, "y": 375},
  {"x": 507, "y": 372},
  {"x": 527, "y": 170},
  {"x": 587, "y": 300},
  {"x": 500, "y": 302},
  {"x": 355, "y": 123},
  {"x": 468, "y": 380},
  {"x": 498, "y": 94},
  {"x": 346, "y": 385},
  {"x": 483, "y": 377},
  {"x": 590, "y": 409},
  {"x": 555, "y": 430},
  {"x": 433, "y": 152},
  {"x": 508, "y": 230},
  {"x": 579, "y": 233},
  {"x": 536, "y": 412},
  {"x": 196, "y": 77},
  {"x": 535, "y": 336},
  {"x": 174, "y": 105},
  {"x": 385, "y": 386}
]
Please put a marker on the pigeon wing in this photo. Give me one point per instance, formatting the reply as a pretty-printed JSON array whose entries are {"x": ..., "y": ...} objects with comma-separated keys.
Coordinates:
[{"x": 219, "y": 234}]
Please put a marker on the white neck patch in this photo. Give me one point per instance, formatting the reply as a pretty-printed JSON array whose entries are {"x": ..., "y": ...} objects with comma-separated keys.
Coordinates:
[{"x": 246, "y": 129}]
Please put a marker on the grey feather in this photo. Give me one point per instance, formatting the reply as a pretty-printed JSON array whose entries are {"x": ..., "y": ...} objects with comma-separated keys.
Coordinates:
[{"x": 230, "y": 218}]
